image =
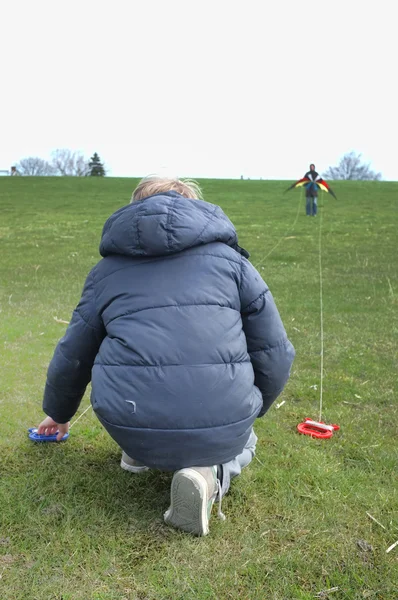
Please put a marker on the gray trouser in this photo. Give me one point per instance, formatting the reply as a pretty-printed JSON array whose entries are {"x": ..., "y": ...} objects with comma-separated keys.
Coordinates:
[
  {"x": 234, "y": 467},
  {"x": 311, "y": 205}
]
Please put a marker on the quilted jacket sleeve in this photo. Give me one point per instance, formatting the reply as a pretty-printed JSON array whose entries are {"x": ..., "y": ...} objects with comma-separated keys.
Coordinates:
[
  {"x": 69, "y": 371},
  {"x": 270, "y": 351}
]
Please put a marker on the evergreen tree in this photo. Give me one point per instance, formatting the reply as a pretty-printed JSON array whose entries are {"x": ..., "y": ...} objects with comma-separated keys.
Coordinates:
[{"x": 96, "y": 167}]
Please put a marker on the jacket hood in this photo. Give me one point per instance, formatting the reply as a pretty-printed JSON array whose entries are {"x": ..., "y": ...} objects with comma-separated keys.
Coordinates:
[{"x": 165, "y": 224}]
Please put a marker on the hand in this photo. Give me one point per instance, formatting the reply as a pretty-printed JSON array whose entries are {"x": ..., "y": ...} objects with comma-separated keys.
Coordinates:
[{"x": 49, "y": 427}]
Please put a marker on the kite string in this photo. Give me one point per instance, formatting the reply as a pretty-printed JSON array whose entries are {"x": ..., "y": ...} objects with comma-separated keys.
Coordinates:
[
  {"x": 79, "y": 417},
  {"x": 320, "y": 291},
  {"x": 321, "y": 313},
  {"x": 284, "y": 235}
]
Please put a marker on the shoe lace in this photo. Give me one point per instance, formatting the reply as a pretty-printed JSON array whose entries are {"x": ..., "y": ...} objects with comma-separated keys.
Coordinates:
[{"x": 220, "y": 514}]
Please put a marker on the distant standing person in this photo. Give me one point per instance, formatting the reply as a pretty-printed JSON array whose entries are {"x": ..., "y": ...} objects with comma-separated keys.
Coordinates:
[
  {"x": 312, "y": 181},
  {"x": 311, "y": 192},
  {"x": 14, "y": 171}
]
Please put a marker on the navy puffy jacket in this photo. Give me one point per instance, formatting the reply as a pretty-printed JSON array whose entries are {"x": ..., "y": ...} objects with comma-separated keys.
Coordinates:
[{"x": 178, "y": 334}]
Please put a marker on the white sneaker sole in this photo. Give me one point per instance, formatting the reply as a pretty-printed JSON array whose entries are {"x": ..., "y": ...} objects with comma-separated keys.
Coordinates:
[
  {"x": 188, "y": 503},
  {"x": 132, "y": 469}
]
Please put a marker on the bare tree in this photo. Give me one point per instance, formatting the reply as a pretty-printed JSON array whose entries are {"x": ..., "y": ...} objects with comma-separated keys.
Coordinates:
[
  {"x": 351, "y": 167},
  {"x": 34, "y": 166},
  {"x": 68, "y": 162}
]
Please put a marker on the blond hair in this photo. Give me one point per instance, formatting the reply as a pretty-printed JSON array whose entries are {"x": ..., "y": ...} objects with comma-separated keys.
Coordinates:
[{"x": 155, "y": 184}]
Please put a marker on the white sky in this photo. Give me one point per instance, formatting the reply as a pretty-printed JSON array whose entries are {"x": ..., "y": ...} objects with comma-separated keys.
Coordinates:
[{"x": 201, "y": 88}]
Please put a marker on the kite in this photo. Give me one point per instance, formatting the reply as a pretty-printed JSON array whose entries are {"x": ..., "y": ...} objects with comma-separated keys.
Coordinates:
[{"x": 319, "y": 184}]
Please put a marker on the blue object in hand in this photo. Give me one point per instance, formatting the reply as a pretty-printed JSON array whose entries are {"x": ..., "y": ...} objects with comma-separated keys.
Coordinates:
[{"x": 36, "y": 437}]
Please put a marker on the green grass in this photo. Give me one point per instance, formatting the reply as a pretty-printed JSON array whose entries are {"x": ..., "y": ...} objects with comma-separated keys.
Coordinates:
[{"x": 74, "y": 526}]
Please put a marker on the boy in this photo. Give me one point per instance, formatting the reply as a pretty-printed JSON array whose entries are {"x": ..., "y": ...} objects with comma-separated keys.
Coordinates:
[
  {"x": 311, "y": 192},
  {"x": 182, "y": 342}
]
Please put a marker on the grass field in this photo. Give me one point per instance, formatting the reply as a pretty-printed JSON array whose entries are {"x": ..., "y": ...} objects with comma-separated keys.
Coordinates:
[{"x": 74, "y": 526}]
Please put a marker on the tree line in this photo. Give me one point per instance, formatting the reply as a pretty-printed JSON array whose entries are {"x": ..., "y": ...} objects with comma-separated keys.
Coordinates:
[
  {"x": 71, "y": 163},
  {"x": 63, "y": 162}
]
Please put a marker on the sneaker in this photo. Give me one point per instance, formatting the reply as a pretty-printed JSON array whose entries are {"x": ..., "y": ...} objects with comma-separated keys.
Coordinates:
[
  {"x": 192, "y": 495},
  {"x": 129, "y": 464}
]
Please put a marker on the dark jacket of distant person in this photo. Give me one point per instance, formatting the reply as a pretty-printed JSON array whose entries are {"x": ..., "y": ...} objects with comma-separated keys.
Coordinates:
[{"x": 311, "y": 189}]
